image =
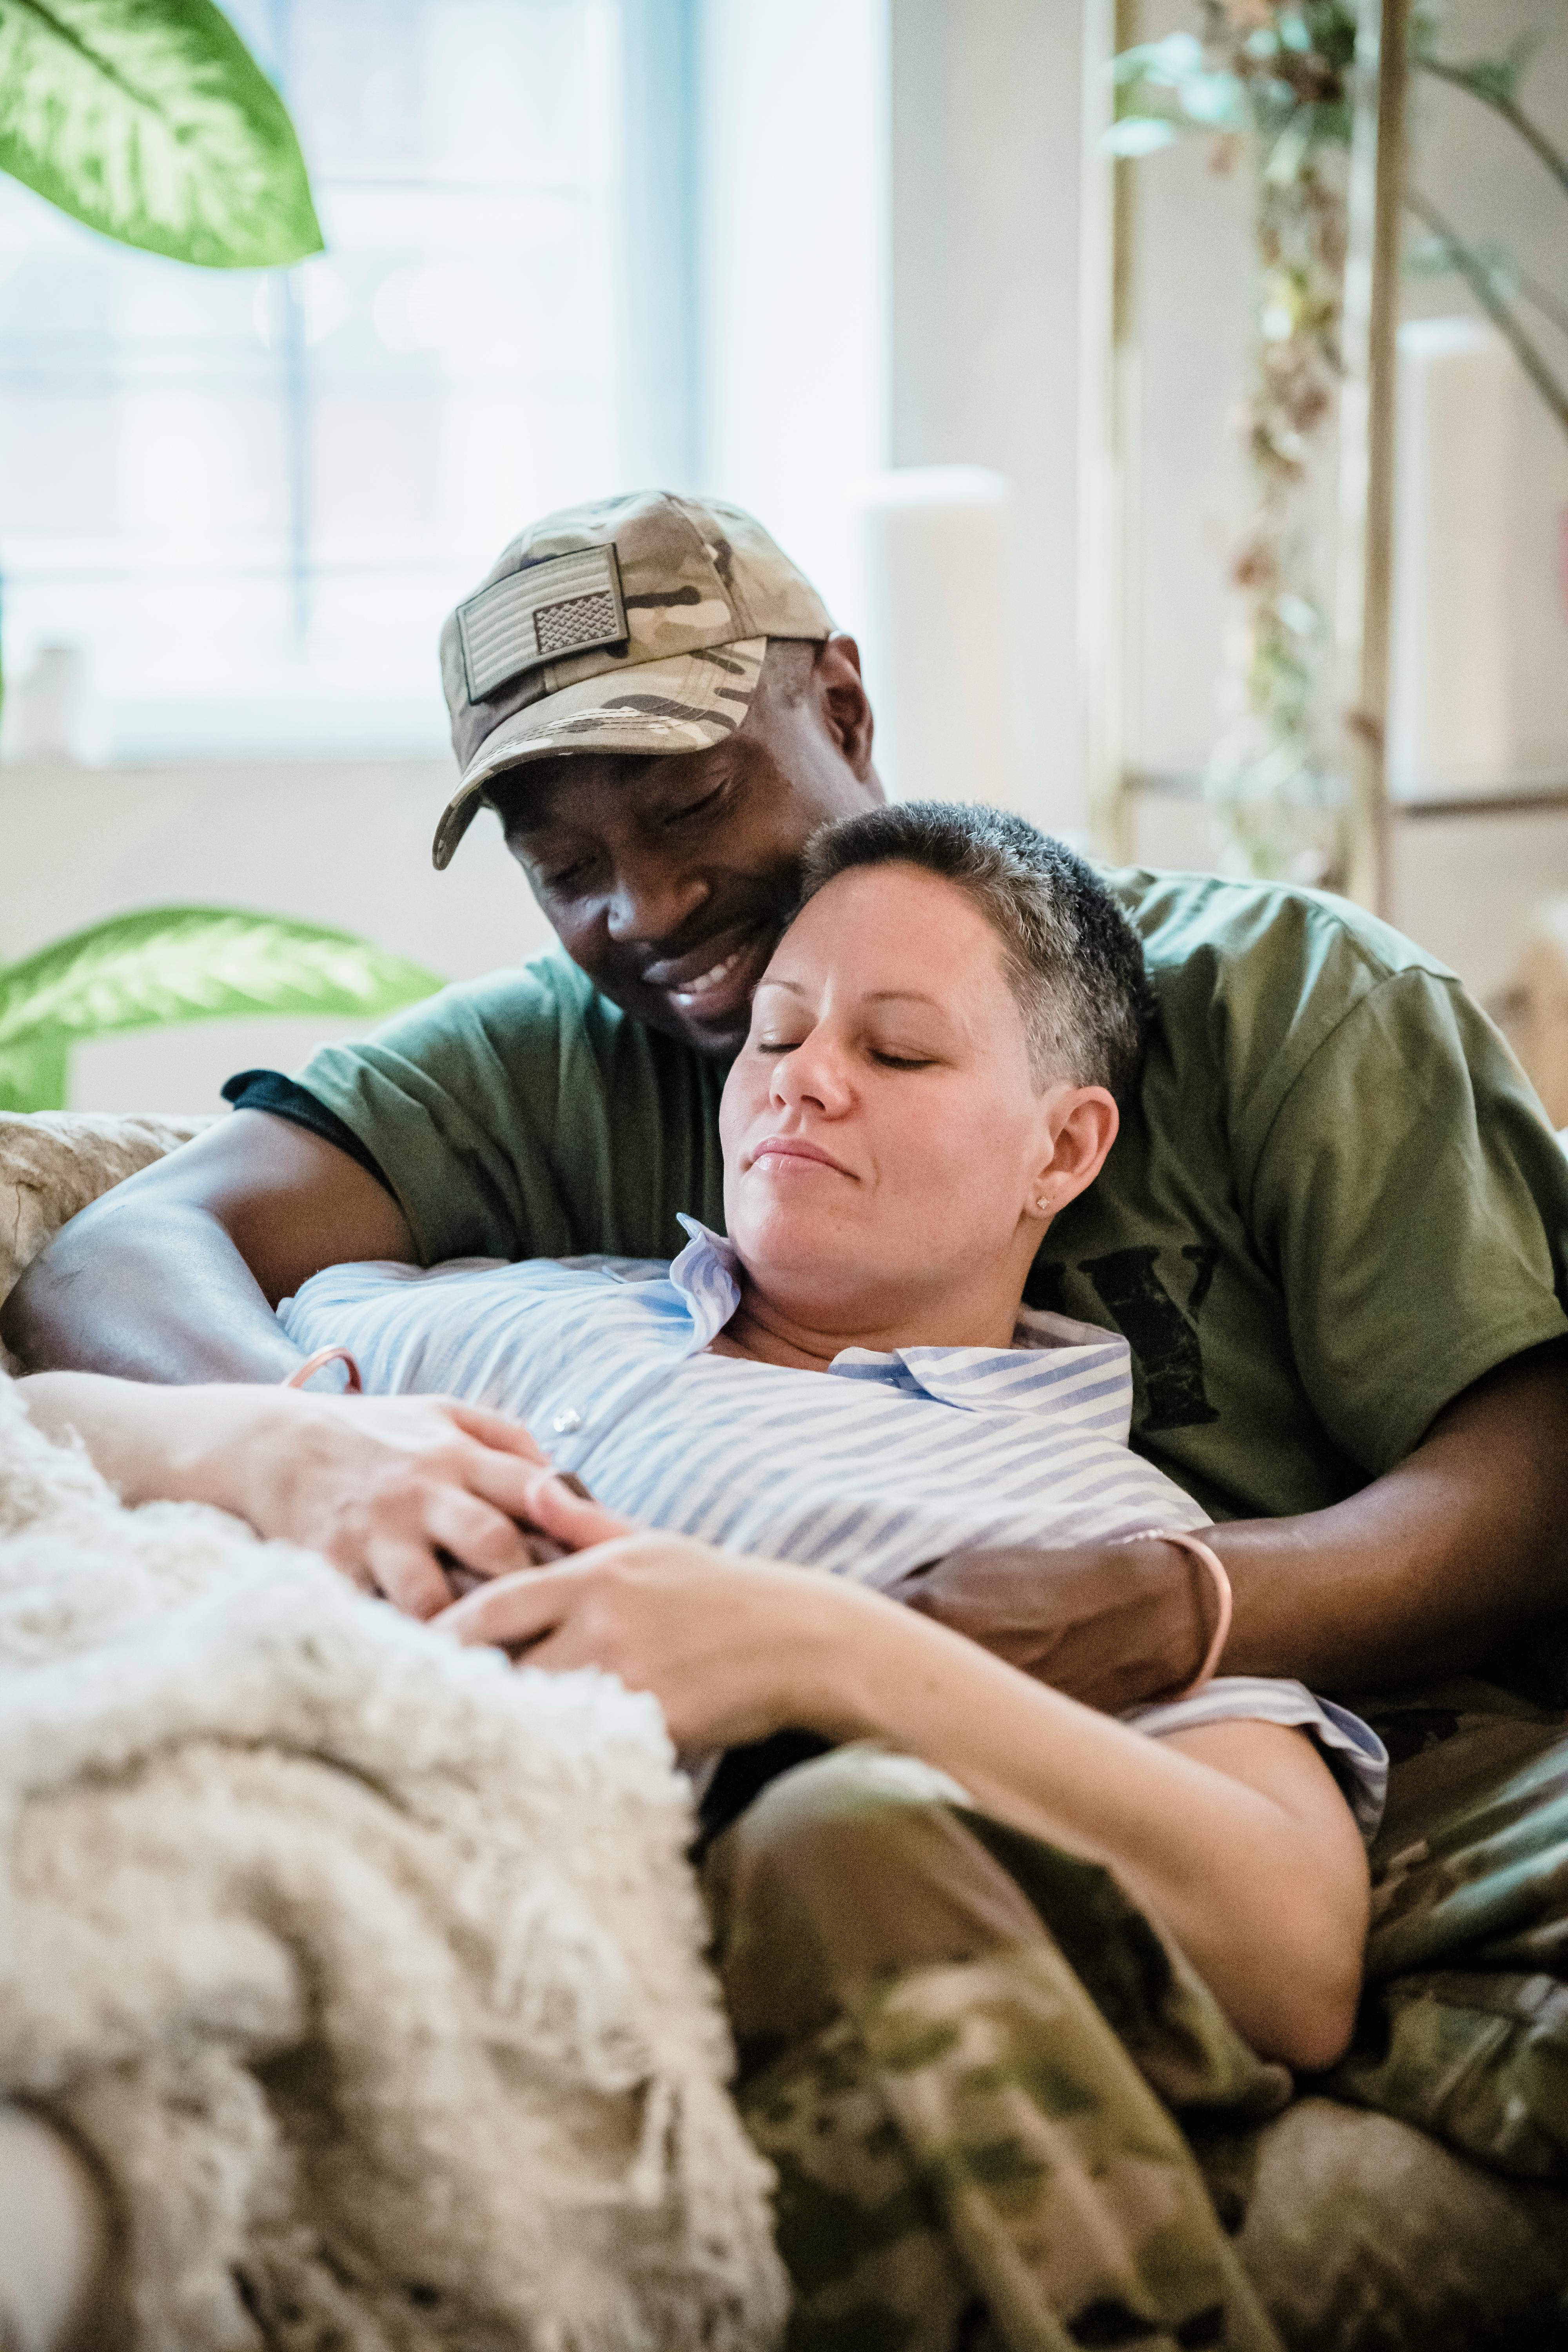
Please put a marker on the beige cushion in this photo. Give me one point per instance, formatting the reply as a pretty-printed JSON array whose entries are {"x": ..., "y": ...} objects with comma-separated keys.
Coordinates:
[
  {"x": 53, "y": 1162},
  {"x": 54, "y": 2232}
]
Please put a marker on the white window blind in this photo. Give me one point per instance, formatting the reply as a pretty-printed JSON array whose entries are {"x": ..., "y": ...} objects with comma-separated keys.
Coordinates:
[{"x": 237, "y": 505}]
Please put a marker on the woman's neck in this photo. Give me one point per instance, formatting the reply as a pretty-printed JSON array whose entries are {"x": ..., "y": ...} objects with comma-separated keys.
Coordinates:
[{"x": 766, "y": 1332}]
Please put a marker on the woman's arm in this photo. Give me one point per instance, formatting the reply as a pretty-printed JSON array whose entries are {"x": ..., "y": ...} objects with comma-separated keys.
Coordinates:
[
  {"x": 1235, "y": 1836},
  {"x": 392, "y": 1490}
]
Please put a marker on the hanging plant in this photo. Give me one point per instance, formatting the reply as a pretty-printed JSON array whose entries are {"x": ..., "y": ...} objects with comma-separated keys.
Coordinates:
[{"x": 1270, "y": 82}]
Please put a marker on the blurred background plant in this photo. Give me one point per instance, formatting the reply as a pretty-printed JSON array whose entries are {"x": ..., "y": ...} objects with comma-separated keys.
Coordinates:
[
  {"x": 1270, "y": 83},
  {"x": 180, "y": 963},
  {"x": 150, "y": 122}
]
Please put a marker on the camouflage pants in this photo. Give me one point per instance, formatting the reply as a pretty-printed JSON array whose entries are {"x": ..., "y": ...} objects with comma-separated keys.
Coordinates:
[{"x": 960, "y": 2047}]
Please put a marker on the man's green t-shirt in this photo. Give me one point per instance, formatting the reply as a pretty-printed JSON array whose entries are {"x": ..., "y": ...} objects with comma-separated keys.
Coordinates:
[{"x": 1333, "y": 1203}]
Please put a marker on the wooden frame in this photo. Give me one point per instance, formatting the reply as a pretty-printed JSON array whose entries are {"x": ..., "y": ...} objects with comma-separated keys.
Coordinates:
[
  {"x": 1105, "y": 320},
  {"x": 1366, "y": 437},
  {"x": 1369, "y": 339}
]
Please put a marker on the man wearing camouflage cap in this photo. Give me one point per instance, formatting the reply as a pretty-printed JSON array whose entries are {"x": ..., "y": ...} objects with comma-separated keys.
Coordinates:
[
  {"x": 674, "y": 602},
  {"x": 1334, "y": 1228},
  {"x": 680, "y": 629}
]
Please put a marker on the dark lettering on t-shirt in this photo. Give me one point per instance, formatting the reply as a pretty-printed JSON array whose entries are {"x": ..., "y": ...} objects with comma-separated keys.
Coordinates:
[{"x": 1161, "y": 1334}]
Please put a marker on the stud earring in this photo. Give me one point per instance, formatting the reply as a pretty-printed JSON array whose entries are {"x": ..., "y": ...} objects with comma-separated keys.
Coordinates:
[{"x": 1041, "y": 1206}]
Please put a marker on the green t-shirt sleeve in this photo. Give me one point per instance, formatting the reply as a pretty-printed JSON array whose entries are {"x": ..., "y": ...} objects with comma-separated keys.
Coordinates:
[
  {"x": 1413, "y": 1204},
  {"x": 525, "y": 1116}
]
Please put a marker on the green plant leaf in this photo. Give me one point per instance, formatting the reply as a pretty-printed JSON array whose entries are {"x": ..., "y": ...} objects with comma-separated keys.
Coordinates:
[
  {"x": 1494, "y": 80},
  {"x": 33, "y": 1077},
  {"x": 150, "y": 121},
  {"x": 193, "y": 963},
  {"x": 1167, "y": 81},
  {"x": 1169, "y": 62},
  {"x": 1138, "y": 134}
]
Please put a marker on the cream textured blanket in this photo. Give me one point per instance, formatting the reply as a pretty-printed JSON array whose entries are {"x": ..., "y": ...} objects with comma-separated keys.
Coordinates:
[{"x": 370, "y": 1970}]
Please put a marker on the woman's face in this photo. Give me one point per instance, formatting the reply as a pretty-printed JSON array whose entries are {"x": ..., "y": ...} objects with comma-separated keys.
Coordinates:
[{"x": 884, "y": 1138}]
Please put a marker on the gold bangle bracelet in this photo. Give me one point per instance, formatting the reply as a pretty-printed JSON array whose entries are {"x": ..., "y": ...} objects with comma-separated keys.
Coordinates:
[
  {"x": 318, "y": 1362},
  {"x": 1222, "y": 1595}
]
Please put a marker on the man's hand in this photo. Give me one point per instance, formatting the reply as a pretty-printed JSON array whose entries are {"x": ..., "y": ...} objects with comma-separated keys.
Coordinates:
[
  {"x": 1430, "y": 1571},
  {"x": 1112, "y": 1625}
]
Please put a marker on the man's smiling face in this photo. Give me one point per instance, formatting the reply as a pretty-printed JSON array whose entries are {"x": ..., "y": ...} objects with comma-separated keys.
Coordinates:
[{"x": 670, "y": 880}]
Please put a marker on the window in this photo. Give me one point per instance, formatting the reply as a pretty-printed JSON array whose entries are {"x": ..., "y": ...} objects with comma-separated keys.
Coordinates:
[{"x": 235, "y": 505}]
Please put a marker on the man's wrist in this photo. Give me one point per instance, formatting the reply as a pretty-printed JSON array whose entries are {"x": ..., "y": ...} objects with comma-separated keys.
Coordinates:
[
  {"x": 1112, "y": 1625},
  {"x": 1205, "y": 1573}
]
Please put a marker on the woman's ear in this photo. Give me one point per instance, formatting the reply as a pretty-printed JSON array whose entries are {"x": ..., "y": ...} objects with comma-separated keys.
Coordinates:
[{"x": 1082, "y": 1123}]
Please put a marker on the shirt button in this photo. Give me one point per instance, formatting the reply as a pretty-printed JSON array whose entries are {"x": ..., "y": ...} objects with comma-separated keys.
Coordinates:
[{"x": 566, "y": 1423}]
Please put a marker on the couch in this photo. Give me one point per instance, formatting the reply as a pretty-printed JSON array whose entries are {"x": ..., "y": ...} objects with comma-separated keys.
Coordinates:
[
  {"x": 1365, "y": 2234},
  {"x": 54, "y": 1163}
]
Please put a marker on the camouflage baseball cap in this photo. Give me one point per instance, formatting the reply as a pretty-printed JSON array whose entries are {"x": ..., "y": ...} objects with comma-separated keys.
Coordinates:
[{"x": 632, "y": 625}]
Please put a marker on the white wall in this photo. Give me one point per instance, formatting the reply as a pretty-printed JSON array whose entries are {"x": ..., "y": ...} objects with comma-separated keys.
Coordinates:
[
  {"x": 346, "y": 844},
  {"x": 1193, "y": 279},
  {"x": 985, "y": 179},
  {"x": 889, "y": 202},
  {"x": 792, "y": 209}
]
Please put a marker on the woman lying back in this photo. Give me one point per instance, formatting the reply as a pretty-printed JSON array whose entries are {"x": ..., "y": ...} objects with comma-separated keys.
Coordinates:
[
  {"x": 851, "y": 1382},
  {"x": 954, "y": 2034},
  {"x": 931, "y": 1073}
]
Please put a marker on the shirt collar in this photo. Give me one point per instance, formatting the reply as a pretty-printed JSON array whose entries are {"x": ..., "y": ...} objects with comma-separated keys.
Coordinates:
[
  {"x": 1070, "y": 1370},
  {"x": 1050, "y": 1352},
  {"x": 706, "y": 1277}
]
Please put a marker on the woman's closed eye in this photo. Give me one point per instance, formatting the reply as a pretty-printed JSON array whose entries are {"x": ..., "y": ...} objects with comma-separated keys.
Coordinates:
[{"x": 885, "y": 1056}]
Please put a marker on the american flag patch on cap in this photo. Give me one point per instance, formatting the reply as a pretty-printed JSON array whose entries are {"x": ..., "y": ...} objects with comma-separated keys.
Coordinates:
[{"x": 567, "y": 604}]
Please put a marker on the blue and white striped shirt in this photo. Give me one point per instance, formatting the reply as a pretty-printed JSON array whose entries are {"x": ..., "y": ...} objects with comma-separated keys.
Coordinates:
[{"x": 882, "y": 1463}]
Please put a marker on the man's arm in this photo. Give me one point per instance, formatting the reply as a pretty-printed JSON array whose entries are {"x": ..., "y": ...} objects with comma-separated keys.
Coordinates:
[
  {"x": 1427, "y": 1570},
  {"x": 1458, "y": 1550},
  {"x": 173, "y": 1274}
]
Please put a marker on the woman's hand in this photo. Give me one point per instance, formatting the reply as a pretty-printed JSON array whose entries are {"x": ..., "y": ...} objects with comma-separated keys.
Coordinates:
[
  {"x": 397, "y": 1492},
  {"x": 732, "y": 1649}
]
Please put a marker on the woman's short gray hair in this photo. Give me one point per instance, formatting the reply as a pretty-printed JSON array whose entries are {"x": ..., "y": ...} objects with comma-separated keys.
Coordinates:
[{"x": 1074, "y": 962}]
